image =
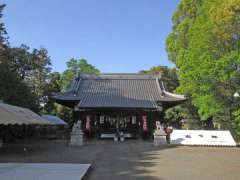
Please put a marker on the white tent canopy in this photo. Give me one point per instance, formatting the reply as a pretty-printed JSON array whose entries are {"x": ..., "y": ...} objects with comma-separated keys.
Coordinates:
[
  {"x": 54, "y": 120},
  {"x": 17, "y": 115}
]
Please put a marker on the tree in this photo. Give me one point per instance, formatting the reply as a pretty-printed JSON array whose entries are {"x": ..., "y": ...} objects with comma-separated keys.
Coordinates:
[
  {"x": 53, "y": 86},
  {"x": 86, "y": 68},
  {"x": 38, "y": 79},
  {"x": 74, "y": 68},
  {"x": 3, "y": 32},
  {"x": 168, "y": 75},
  {"x": 204, "y": 44},
  {"x": 13, "y": 89},
  {"x": 176, "y": 114},
  {"x": 31, "y": 68},
  {"x": 22, "y": 62},
  {"x": 50, "y": 107},
  {"x": 26, "y": 74}
]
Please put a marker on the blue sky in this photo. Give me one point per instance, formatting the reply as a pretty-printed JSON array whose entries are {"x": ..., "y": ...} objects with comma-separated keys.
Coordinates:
[{"x": 113, "y": 35}]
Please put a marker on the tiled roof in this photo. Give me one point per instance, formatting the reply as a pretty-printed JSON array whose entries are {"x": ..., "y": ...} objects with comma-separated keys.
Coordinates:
[
  {"x": 17, "y": 115},
  {"x": 119, "y": 91}
]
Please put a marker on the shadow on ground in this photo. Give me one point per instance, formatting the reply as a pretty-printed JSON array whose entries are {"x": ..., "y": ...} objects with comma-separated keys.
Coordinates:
[
  {"x": 133, "y": 159},
  {"x": 110, "y": 160}
]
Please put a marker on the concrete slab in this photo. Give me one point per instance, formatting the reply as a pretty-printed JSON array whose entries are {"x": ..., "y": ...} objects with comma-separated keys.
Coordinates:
[{"x": 42, "y": 171}]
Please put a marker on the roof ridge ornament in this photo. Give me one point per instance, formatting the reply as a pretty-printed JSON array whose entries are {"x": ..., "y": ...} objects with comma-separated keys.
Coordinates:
[
  {"x": 160, "y": 75},
  {"x": 159, "y": 87},
  {"x": 76, "y": 85}
]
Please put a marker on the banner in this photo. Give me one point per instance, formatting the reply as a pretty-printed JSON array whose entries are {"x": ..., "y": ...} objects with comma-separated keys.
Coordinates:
[
  {"x": 88, "y": 123},
  {"x": 145, "y": 128}
]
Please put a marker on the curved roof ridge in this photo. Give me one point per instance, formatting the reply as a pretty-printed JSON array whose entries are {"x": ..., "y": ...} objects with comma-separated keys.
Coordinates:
[
  {"x": 118, "y": 76},
  {"x": 174, "y": 95}
]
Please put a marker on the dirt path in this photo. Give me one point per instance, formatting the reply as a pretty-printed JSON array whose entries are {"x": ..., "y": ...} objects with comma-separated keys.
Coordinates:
[{"x": 134, "y": 159}]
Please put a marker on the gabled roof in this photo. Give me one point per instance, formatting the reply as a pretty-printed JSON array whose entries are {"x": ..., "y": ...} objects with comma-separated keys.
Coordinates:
[
  {"x": 17, "y": 115},
  {"x": 118, "y": 91}
]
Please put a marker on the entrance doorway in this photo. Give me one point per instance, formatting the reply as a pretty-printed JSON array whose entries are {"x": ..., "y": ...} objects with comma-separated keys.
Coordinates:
[{"x": 111, "y": 126}]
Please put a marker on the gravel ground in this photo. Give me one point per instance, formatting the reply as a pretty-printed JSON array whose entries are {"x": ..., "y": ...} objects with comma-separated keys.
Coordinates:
[{"x": 133, "y": 159}]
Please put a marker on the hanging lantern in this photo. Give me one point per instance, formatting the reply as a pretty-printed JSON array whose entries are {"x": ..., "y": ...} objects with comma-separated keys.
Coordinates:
[
  {"x": 88, "y": 123},
  {"x": 145, "y": 128}
]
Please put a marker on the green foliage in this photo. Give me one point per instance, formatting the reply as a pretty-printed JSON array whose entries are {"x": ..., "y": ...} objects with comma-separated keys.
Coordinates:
[
  {"x": 23, "y": 73},
  {"x": 74, "y": 68},
  {"x": 184, "y": 112},
  {"x": 86, "y": 68},
  {"x": 176, "y": 114},
  {"x": 64, "y": 113},
  {"x": 3, "y": 31},
  {"x": 13, "y": 89},
  {"x": 50, "y": 107},
  {"x": 204, "y": 44},
  {"x": 32, "y": 69},
  {"x": 53, "y": 86},
  {"x": 168, "y": 76}
]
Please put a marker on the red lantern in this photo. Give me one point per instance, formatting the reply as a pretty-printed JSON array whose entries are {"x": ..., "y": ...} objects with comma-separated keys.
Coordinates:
[
  {"x": 88, "y": 123},
  {"x": 145, "y": 128}
]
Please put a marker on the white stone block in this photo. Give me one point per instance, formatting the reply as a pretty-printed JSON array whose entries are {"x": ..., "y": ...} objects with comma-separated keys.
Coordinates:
[{"x": 159, "y": 140}]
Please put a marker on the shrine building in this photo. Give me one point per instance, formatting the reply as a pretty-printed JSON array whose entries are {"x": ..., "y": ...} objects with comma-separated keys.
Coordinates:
[{"x": 108, "y": 104}]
